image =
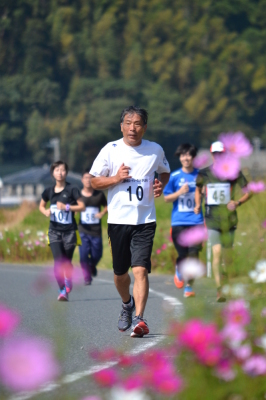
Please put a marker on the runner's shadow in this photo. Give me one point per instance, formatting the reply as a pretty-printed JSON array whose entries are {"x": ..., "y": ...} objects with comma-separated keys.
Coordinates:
[{"x": 107, "y": 299}]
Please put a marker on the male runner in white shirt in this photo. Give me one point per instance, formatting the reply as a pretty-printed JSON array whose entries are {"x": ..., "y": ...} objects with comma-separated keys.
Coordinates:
[{"x": 126, "y": 167}]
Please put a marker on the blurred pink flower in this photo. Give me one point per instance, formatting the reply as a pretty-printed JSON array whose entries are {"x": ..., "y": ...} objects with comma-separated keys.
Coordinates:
[
  {"x": 21, "y": 234},
  {"x": 164, "y": 246},
  {"x": 166, "y": 383},
  {"x": 107, "y": 377},
  {"x": 226, "y": 167},
  {"x": 91, "y": 398},
  {"x": 191, "y": 268},
  {"x": 203, "y": 339},
  {"x": 255, "y": 365},
  {"x": 233, "y": 334},
  {"x": 37, "y": 242},
  {"x": 243, "y": 352},
  {"x": 158, "y": 251},
  {"x": 264, "y": 224},
  {"x": 134, "y": 381},
  {"x": 225, "y": 371},
  {"x": 9, "y": 320},
  {"x": 193, "y": 236},
  {"x": 201, "y": 160},
  {"x": 263, "y": 312},
  {"x": 236, "y": 312},
  {"x": 27, "y": 363},
  {"x": 255, "y": 187},
  {"x": 236, "y": 144}
]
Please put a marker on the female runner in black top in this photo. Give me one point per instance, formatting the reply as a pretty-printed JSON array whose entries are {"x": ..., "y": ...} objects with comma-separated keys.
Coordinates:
[{"x": 65, "y": 200}]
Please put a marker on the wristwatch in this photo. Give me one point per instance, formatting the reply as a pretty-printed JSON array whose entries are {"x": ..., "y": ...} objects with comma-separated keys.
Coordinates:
[{"x": 67, "y": 207}]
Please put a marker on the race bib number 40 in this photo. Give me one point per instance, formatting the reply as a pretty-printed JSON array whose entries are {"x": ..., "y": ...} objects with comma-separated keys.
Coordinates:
[
  {"x": 88, "y": 216},
  {"x": 218, "y": 193},
  {"x": 136, "y": 191},
  {"x": 186, "y": 202},
  {"x": 60, "y": 216}
]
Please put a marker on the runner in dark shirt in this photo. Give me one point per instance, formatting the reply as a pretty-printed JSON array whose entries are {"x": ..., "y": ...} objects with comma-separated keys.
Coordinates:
[
  {"x": 90, "y": 228},
  {"x": 65, "y": 200},
  {"x": 220, "y": 211}
]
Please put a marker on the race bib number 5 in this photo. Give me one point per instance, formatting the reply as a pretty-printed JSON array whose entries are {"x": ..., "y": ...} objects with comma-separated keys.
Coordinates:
[
  {"x": 136, "y": 191},
  {"x": 218, "y": 193},
  {"x": 186, "y": 202},
  {"x": 60, "y": 216},
  {"x": 88, "y": 216}
]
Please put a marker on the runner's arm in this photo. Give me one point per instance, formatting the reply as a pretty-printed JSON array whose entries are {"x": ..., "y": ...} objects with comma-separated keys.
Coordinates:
[
  {"x": 104, "y": 182},
  {"x": 43, "y": 210},
  {"x": 170, "y": 198},
  {"x": 198, "y": 192},
  {"x": 75, "y": 208},
  {"x": 160, "y": 183},
  {"x": 101, "y": 213}
]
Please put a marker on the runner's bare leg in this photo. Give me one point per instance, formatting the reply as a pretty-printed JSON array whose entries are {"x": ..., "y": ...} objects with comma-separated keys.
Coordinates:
[
  {"x": 140, "y": 289},
  {"x": 122, "y": 283}
]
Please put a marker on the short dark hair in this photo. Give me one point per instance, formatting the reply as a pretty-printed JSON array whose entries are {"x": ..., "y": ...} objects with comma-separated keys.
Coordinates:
[
  {"x": 86, "y": 171},
  {"x": 135, "y": 110},
  {"x": 56, "y": 164},
  {"x": 186, "y": 148}
]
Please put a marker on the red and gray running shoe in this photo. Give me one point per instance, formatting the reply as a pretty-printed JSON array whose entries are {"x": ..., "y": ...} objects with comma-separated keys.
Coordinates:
[{"x": 139, "y": 327}]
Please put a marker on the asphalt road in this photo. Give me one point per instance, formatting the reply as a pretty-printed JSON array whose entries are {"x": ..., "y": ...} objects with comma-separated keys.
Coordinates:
[{"x": 87, "y": 322}]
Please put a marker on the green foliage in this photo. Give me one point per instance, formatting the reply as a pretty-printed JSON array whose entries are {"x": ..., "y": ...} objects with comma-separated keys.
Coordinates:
[{"x": 199, "y": 68}]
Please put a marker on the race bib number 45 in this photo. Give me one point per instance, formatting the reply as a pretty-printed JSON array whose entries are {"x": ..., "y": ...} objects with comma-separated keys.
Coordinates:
[
  {"x": 136, "y": 191},
  {"x": 218, "y": 193},
  {"x": 186, "y": 202},
  {"x": 88, "y": 216},
  {"x": 60, "y": 216}
]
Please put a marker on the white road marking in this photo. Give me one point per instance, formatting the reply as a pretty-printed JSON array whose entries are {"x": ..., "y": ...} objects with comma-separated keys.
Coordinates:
[{"x": 49, "y": 387}]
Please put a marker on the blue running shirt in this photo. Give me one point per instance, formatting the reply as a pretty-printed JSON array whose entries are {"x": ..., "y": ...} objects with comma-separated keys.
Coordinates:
[{"x": 183, "y": 206}]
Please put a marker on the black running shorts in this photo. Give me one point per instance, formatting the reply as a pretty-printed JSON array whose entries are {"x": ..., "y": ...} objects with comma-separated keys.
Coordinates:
[{"x": 131, "y": 246}]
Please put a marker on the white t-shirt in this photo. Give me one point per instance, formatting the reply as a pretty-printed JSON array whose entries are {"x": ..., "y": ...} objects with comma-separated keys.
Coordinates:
[{"x": 131, "y": 202}]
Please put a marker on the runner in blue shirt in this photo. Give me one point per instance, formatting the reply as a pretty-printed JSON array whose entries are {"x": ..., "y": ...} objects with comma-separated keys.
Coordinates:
[{"x": 180, "y": 191}]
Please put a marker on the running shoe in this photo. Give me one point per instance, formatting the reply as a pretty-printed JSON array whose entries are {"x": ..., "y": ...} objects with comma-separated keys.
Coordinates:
[
  {"x": 220, "y": 297},
  {"x": 188, "y": 292},
  {"x": 177, "y": 279},
  {"x": 68, "y": 285},
  {"x": 87, "y": 282},
  {"x": 94, "y": 271},
  {"x": 139, "y": 327},
  {"x": 63, "y": 295},
  {"x": 125, "y": 317}
]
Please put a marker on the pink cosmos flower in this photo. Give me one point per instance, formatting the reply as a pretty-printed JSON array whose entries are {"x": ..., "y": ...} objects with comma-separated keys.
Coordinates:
[
  {"x": 167, "y": 383},
  {"x": 37, "y": 243},
  {"x": 236, "y": 144},
  {"x": 134, "y": 381},
  {"x": 164, "y": 246},
  {"x": 203, "y": 339},
  {"x": 255, "y": 365},
  {"x": 243, "y": 352},
  {"x": 91, "y": 398},
  {"x": 9, "y": 320},
  {"x": 191, "y": 268},
  {"x": 263, "y": 312},
  {"x": 27, "y": 363},
  {"x": 233, "y": 334},
  {"x": 193, "y": 236},
  {"x": 226, "y": 167},
  {"x": 237, "y": 313},
  {"x": 225, "y": 371},
  {"x": 107, "y": 377},
  {"x": 201, "y": 160},
  {"x": 264, "y": 224},
  {"x": 256, "y": 187},
  {"x": 158, "y": 251},
  {"x": 21, "y": 234}
]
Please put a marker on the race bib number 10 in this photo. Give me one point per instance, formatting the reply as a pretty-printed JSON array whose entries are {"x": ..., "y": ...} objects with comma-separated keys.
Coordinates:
[
  {"x": 218, "y": 193},
  {"x": 186, "y": 202},
  {"x": 136, "y": 191},
  {"x": 60, "y": 216},
  {"x": 88, "y": 216}
]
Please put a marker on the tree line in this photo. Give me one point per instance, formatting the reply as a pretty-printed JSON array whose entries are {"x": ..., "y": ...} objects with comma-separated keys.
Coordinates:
[{"x": 68, "y": 68}]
